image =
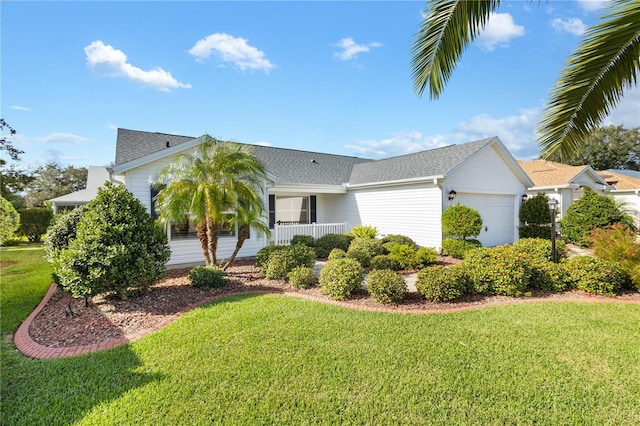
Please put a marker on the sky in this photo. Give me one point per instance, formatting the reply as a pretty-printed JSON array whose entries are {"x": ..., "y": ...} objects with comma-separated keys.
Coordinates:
[{"x": 329, "y": 76}]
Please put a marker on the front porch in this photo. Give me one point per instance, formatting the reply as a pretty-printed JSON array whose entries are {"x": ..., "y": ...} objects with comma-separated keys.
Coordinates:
[{"x": 283, "y": 232}]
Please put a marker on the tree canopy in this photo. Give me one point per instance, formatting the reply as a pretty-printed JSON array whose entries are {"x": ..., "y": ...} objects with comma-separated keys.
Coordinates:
[
  {"x": 593, "y": 80},
  {"x": 51, "y": 181}
]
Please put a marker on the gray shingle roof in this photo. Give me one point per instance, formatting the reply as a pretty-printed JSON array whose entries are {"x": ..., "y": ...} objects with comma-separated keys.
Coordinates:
[
  {"x": 291, "y": 166},
  {"x": 434, "y": 162}
]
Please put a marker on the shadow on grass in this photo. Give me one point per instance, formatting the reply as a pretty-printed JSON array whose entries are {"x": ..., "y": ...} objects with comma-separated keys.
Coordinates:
[{"x": 63, "y": 391}]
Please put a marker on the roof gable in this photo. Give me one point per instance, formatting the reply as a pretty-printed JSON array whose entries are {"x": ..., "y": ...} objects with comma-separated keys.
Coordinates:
[
  {"x": 621, "y": 181},
  {"x": 545, "y": 173}
]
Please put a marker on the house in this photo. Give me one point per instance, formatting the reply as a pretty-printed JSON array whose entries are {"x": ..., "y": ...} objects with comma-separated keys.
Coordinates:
[
  {"x": 625, "y": 186},
  {"x": 96, "y": 177},
  {"x": 562, "y": 182},
  {"x": 315, "y": 193}
]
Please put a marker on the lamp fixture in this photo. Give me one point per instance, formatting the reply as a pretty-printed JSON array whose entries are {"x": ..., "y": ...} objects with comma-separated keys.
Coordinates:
[
  {"x": 452, "y": 195},
  {"x": 525, "y": 197}
]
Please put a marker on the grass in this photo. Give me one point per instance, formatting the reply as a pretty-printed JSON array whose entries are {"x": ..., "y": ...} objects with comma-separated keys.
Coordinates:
[
  {"x": 23, "y": 282},
  {"x": 273, "y": 359}
]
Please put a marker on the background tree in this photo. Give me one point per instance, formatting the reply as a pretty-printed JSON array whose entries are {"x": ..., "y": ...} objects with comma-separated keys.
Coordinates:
[
  {"x": 592, "y": 82},
  {"x": 51, "y": 181},
  {"x": 208, "y": 185},
  {"x": 9, "y": 220},
  {"x": 34, "y": 223},
  {"x": 13, "y": 183},
  {"x": 7, "y": 145},
  {"x": 610, "y": 147}
]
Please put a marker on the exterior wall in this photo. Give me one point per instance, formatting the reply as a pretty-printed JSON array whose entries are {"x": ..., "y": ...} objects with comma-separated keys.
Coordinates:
[
  {"x": 630, "y": 203},
  {"x": 411, "y": 210},
  {"x": 487, "y": 174}
]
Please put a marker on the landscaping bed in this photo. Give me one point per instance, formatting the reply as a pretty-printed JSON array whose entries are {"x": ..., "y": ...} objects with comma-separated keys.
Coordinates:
[{"x": 66, "y": 322}]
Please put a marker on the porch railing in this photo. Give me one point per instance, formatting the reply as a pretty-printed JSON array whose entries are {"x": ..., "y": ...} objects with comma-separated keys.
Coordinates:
[{"x": 282, "y": 234}]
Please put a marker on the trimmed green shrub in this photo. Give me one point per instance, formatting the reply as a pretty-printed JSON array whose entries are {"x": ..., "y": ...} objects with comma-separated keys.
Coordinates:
[
  {"x": 535, "y": 231},
  {"x": 365, "y": 249},
  {"x": 340, "y": 278},
  {"x": 118, "y": 247},
  {"x": 458, "y": 248},
  {"x": 61, "y": 232},
  {"x": 204, "y": 277},
  {"x": 618, "y": 244},
  {"x": 595, "y": 275},
  {"x": 11, "y": 241},
  {"x": 328, "y": 242},
  {"x": 442, "y": 284},
  {"x": 337, "y": 253},
  {"x": 461, "y": 221},
  {"x": 306, "y": 240},
  {"x": 399, "y": 239},
  {"x": 302, "y": 277},
  {"x": 500, "y": 270},
  {"x": 9, "y": 220},
  {"x": 425, "y": 256},
  {"x": 588, "y": 213},
  {"x": 34, "y": 223},
  {"x": 408, "y": 257},
  {"x": 535, "y": 211},
  {"x": 262, "y": 257},
  {"x": 384, "y": 261},
  {"x": 281, "y": 262},
  {"x": 364, "y": 231},
  {"x": 549, "y": 276},
  {"x": 386, "y": 286},
  {"x": 539, "y": 248}
]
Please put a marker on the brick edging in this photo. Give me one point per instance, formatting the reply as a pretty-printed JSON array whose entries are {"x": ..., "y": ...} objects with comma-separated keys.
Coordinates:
[{"x": 28, "y": 347}]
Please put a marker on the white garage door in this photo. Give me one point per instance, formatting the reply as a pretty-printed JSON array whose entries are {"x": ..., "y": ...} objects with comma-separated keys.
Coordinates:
[{"x": 497, "y": 213}]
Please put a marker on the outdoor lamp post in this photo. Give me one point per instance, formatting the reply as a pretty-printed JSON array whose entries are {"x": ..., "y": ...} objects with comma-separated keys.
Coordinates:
[
  {"x": 553, "y": 205},
  {"x": 452, "y": 196}
]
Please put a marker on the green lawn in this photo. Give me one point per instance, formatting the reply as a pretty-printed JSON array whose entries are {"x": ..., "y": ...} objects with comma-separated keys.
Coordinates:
[{"x": 273, "y": 359}]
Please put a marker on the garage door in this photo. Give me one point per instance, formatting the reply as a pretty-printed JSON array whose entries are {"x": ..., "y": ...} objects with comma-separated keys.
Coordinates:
[{"x": 497, "y": 213}]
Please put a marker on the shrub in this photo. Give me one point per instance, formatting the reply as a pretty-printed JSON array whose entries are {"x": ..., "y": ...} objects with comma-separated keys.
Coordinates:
[
  {"x": 595, "y": 275},
  {"x": 399, "y": 239},
  {"x": 500, "y": 270},
  {"x": 61, "y": 232},
  {"x": 9, "y": 220},
  {"x": 535, "y": 211},
  {"x": 117, "y": 247},
  {"x": 281, "y": 262},
  {"x": 306, "y": 240},
  {"x": 365, "y": 249},
  {"x": 384, "y": 261},
  {"x": 262, "y": 257},
  {"x": 442, "y": 284},
  {"x": 408, "y": 257},
  {"x": 539, "y": 248},
  {"x": 458, "y": 248},
  {"x": 364, "y": 231},
  {"x": 340, "y": 278},
  {"x": 549, "y": 276},
  {"x": 301, "y": 277},
  {"x": 425, "y": 256},
  {"x": 618, "y": 244},
  {"x": 337, "y": 253},
  {"x": 11, "y": 241},
  {"x": 535, "y": 231},
  {"x": 461, "y": 221},
  {"x": 386, "y": 286},
  {"x": 209, "y": 276},
  {"x": 588, "y": 213},
  {"x": 328, "y": 242},
  {"x": 34, "y": 223}
]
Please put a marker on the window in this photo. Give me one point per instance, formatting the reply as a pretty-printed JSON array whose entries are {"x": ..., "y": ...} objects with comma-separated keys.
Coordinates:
[
  {"x": 187, "y": 230},
  {"x": 292, "y": 209}
]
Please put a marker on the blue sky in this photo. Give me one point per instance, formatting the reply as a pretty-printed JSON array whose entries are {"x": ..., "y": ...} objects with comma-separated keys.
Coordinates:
[{"x": 322, "y": 76}]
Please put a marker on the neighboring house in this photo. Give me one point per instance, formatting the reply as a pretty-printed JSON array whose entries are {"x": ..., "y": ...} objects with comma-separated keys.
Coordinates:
[
  {"x": 96, "y": 177},
  {"x": 625, "y": 186},
  {"x": 562, "y": 182},
  {"x": 315, "y": 193}
]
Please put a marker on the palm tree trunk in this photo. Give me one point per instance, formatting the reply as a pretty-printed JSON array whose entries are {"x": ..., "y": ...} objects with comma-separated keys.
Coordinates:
[
  {"x": 212, "y": 240},
  {"x": 244, "y": 233},
  {"x": 201, "y": 230}
]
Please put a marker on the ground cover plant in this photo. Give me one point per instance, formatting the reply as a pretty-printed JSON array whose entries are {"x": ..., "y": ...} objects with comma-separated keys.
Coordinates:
[{"x": 273, "y": 359}]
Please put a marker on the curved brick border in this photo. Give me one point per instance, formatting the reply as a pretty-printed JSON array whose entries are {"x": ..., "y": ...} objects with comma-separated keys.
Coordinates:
[{"x": 25, "y": 344}]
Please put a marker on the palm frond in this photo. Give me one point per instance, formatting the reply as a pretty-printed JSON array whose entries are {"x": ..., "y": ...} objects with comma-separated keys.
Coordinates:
[
  {"x": 448, "y": 28},
  {"x": 593, "y": 80}
]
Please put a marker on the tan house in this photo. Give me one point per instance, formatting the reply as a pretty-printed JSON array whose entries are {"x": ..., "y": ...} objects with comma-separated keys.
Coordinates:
[
  {"x": 562, "y": 182},
  {"x": 625, "y": 189}
]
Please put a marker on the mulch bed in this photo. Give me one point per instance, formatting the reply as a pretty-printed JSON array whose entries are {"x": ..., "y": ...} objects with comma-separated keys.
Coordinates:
[{"x": 67, "y": 322}]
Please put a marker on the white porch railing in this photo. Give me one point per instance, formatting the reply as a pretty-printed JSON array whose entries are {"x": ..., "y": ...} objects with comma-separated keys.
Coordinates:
[{"x": 282, "y": 234}]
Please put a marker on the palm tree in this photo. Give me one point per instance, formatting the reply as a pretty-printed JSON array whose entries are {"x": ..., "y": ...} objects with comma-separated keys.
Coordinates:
[
  {"x": 249, "y": 215},
  {"x": 209, "y": 184},
  {"x": 590, "y": 85}
]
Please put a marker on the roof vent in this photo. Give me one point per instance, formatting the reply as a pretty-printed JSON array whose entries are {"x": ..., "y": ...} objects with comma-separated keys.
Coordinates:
[
  {"x": 168, "y": 144},
  {"x": 314, "y": 161}
]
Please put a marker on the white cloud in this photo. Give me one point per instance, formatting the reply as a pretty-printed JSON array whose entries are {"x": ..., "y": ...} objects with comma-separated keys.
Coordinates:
[
  {"x": 499, "y": 31},
  {"x": 397, "y": 144},
  {"x": 572, "y": 26},
  {"x": 592, "y": 5},
  {"x": 63, "y": 138},
  {"x": 349, "y": 49},
  {"x": 231, "y": 49},
  {"x": 110, "y": 62},
  {"x": 20, "y": 108}
]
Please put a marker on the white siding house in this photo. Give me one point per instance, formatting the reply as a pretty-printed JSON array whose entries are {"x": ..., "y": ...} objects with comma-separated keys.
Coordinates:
[{"x": 314, "y": 192}]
